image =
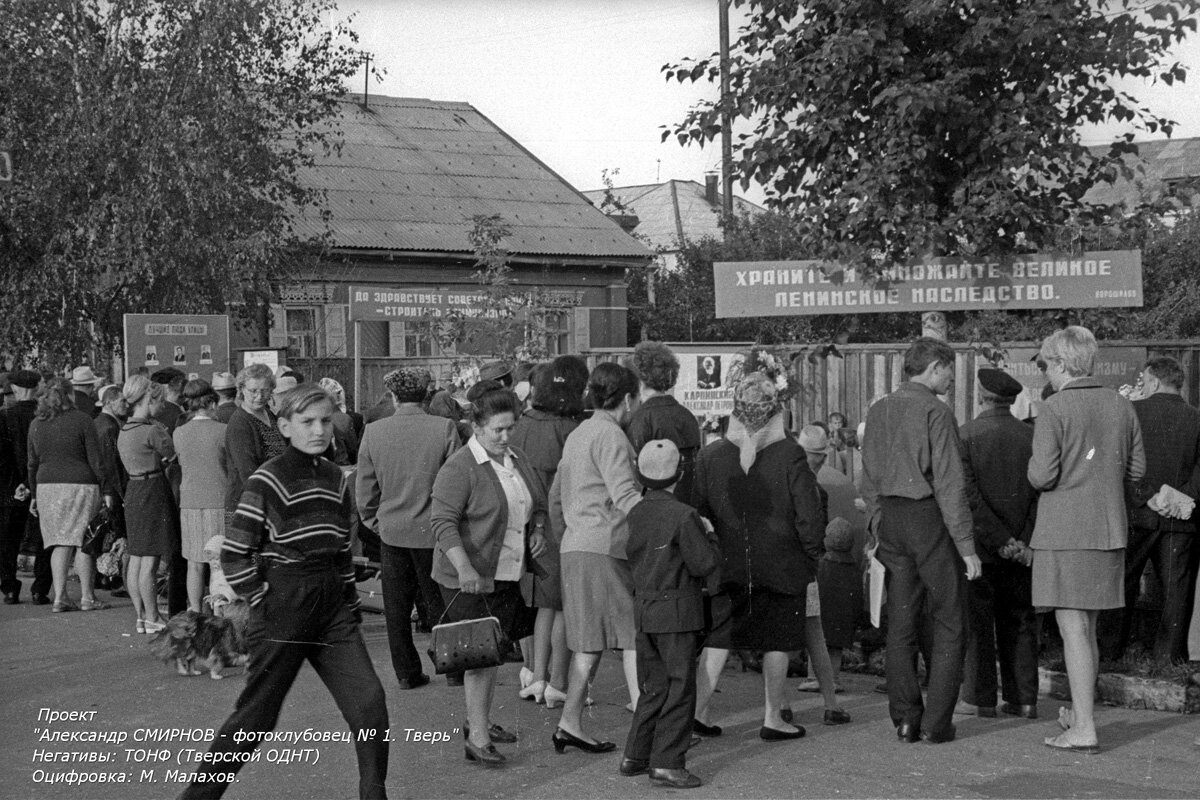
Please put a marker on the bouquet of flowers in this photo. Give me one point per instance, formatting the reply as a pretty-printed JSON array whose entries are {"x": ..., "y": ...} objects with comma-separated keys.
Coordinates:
[
  {"x": 464, "y": 375},
  {"x": 776, "y": 365}
]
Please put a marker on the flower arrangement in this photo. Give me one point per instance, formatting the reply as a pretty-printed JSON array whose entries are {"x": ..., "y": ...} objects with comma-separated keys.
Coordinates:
[
  {"x": 776, "y": 365},
  {"x": 463, "y": 375},
  {"x": 711, "y": 423}
]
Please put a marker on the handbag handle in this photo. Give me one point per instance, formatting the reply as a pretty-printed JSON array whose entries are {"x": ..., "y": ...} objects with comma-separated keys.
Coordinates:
[{"x": 445, "y": 611}]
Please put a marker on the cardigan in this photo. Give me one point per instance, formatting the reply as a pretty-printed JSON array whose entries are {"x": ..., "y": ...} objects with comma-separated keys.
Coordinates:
[
  {"x": 1086, "y": 444},
  {"x": 66, "y": 449},
  {"x": 200, "y": 444},
  {"x": 249, "y": 443},
  {"x": 398, "y": 460},
  {"x": 470, "y": 511},
  {"x": 595, "y": 488}
]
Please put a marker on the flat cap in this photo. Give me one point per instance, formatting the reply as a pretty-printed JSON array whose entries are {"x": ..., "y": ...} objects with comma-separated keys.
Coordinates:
[{"x": 999, "y": 382}]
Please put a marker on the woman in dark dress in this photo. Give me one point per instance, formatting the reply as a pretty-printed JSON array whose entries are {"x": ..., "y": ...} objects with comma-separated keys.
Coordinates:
[
  {"x": 660, "y": 416},
  {"x": 557, "y": 391},
  {"x": 756, "y": 488}
]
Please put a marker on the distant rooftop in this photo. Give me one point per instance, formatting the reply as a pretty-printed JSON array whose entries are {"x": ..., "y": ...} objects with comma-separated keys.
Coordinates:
[
  {"x": 1165, "y": 164},
  {"x": 413, "y": 173},
  {"x": 672, "y": 210}
]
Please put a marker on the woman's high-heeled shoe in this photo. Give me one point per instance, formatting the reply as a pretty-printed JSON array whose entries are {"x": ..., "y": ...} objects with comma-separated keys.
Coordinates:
[
  {"x": 562, "y": 740},
  {"x": 553, "y": 698},
  {"x": 535, "y": 691},
  {"x": 526, "y": 678},
  {"x": 487, "y": 756},
  {"x": 153, "y": 627},
  {"x": 140, "y": 626}
]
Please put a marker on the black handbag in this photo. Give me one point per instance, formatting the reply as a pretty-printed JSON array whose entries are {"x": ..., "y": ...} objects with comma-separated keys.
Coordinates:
[
  {"x": 470, "y": 644},
  {"x": 99, "y": 534}
]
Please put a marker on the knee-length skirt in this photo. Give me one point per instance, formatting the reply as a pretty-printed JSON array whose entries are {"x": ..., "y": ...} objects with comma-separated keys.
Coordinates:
[
  {"x": 597, "y": 593},
  {"x": 64, "y": 511},
  {"x": 151, "y": 517},
  {"x": 1081, "y": 579}
]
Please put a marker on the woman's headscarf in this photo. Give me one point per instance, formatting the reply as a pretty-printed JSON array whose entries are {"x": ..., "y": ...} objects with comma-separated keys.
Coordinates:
[{"x": 757, "y": 419}]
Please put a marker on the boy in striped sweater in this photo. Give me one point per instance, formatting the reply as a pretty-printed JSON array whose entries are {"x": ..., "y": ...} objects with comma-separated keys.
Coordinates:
[{"x": 294, "y": 515}]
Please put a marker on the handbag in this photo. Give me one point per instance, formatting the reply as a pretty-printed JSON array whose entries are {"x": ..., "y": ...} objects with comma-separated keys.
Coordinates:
[
  {"x": 98, "y": 530},
  {"x": 470, "y": 644}
]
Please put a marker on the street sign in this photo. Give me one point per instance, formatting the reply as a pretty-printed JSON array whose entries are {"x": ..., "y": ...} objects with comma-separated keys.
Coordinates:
[{"x": 1036, "y": 280}]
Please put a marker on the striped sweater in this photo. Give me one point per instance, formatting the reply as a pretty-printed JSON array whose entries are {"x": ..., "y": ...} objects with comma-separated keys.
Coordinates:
[{"x": 294, "y": 508}]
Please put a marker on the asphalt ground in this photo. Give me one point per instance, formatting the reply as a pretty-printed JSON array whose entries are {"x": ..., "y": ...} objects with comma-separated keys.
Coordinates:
[{"x": 95, "y": 665}]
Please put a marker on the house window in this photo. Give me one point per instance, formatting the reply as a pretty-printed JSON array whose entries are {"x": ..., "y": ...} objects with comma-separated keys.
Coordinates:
[
  {"x": 301, "y": 328},
  {"x": 408, "y": 340},
  {"x": 557, "y": 326}
]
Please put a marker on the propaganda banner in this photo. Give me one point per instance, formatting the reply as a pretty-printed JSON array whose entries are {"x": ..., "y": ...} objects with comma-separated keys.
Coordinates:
[
  {"x": 195, "y": 344},
  {"x": 400, "y": 303},
  {"x": 1107, "y": 278}
]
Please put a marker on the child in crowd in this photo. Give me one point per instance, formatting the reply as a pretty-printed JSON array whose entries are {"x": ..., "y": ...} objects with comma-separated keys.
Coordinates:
[
  {"x": 670, "y": 556},
  {"x": 840, "y": 583},
  {"x": 294, "y": 515}
]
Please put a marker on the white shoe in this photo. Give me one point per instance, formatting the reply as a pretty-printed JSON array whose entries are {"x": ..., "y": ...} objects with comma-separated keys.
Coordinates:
[
  {"x": 535, "y": 691},
  {"x": 526, "y": 678}
]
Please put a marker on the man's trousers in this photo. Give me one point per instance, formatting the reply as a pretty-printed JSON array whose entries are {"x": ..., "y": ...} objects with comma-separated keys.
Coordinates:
[
  {"x": 662, "y": 723},
  {"x": 924, "y": 573},
  {"x": 304, "y": 617},
  {"x": 1003, "y": 625},
  {"x": 406, "y": 578}
]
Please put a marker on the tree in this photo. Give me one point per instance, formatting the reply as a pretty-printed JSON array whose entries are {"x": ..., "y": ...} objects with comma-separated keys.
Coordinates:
[
  {"x": 158, "y": 147},
  {"x": 898, "y": 129},
  {"x": 685, "y": 311}
]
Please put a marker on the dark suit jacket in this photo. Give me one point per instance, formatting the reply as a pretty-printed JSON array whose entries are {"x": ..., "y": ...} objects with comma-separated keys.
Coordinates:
[
  {"x": 670, "y": 555},
  {"x": 170, "y": 415},
  {"x": 108, "y": 428},
  {"x": 1171, "y": 437},
  {"x": 996, "y": 451},
  {"x": 1086, "y": 444}
]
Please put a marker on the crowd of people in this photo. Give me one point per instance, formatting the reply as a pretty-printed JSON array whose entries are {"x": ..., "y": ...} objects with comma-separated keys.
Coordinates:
[{"x": 587, "y": 513}]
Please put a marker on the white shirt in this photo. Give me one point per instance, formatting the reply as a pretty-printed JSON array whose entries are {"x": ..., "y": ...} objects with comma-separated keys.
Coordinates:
[{"x": 511, "y": 565}]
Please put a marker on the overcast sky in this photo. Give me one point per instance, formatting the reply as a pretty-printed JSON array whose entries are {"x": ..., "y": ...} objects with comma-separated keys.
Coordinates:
[{"x": 579, "y": 82}]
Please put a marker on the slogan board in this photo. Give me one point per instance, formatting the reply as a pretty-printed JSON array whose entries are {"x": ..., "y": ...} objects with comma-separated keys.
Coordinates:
[
  {"x": 195, "y": 344},
  {"x": 1115, "y": 367},
  {"x": 397, "y": 304},
  {"x": 1042, "y": 280}
]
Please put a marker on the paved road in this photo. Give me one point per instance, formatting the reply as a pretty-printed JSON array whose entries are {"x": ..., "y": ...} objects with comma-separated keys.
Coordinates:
[{"x": 93, "y": 662}]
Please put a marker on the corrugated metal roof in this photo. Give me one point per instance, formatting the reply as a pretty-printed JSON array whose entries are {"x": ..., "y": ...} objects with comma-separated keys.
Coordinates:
[
  {"x": 413, "y": 173},
  {"x": 1157, "y": 163},
  {"x": 662, "y": 213}
]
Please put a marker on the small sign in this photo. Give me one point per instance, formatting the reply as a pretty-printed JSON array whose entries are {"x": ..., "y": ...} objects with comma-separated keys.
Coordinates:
[
  {"x": 1114, "y": 367},
  {"x": 1038, "y": 280},
  {"x": 268, "y": 357},
  {"x": 703, "y": 386}
]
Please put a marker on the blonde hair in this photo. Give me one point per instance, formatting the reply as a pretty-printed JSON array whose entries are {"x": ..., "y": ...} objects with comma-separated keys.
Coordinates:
[
  {"x": 1074, "y": 347},
  {"x": 138, "y": 386}
]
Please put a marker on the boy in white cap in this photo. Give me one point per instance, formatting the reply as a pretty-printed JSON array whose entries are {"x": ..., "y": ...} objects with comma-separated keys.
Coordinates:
[{"x": 670, "y": 555}]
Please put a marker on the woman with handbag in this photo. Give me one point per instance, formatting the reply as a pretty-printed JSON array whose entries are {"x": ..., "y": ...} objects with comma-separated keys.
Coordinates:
[
  {"x": 151, "y": 515},
  {"x": 67, "y": 478},
  {"x": 489, "y": 520}
]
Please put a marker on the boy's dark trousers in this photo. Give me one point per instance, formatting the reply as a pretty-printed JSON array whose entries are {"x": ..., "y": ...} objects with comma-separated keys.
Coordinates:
[
  {"x": 662, "y": 724},
  {"x": 304, "y": 617}
]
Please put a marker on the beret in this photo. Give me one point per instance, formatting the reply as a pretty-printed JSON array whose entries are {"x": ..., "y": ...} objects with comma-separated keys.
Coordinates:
[{"x": 999, "y": 383}]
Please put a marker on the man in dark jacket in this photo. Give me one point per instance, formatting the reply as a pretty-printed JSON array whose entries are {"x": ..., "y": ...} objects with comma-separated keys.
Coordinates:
[
  {"x": 1171, "y": 437},
  {"x": 84, "y": 382},
  {"x": 19, "y": 524},
  {"x": 996, "y": 452}
]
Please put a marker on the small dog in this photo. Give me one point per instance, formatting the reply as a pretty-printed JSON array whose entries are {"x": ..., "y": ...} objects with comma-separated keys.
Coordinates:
[{"x": 217, "y": 639}]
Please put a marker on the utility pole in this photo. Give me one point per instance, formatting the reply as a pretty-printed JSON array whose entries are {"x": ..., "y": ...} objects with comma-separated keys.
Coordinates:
[
  {"x": 366, "y": 77},
  {"x": 726, "y": 117}
]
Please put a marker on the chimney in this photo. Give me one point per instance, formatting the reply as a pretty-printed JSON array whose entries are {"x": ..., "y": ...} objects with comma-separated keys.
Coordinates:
[{"x": 712, "y": 192}]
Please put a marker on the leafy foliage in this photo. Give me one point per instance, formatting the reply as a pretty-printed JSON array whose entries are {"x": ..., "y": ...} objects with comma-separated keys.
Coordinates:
[
  {"x": 898, "y": 129},
  {"x": 157, "y": 146}
]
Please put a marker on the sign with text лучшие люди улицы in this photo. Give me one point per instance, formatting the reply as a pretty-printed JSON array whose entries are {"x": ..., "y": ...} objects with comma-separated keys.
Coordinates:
[{"x": 1038, "y": 280}]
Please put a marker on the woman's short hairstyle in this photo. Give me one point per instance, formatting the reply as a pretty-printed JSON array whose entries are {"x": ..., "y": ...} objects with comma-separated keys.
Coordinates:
[
  {"x": 1074, "y": 347},
  {"x": 492, "y": 402},
  {"x": 198, "y": 394},
  {"x": 609, "y": 384},
  {"x": 656, "y": 365},
  {"x": 300, "y": 398},
  {"x": 54, "y": 397},
  {"x": 558, "y": 387},
  {"x": 926, "y": 351},
  {"x": 138, "y": 386},
  {"x": 255, "y": 372}
]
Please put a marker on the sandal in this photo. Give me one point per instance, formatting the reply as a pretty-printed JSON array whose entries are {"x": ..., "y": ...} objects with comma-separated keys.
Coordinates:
[
  {"x": 61, "y": 606},
  {"x": 153, "y": 627},
  {"x": 139, "y": 626},
  {"x": 92, "y": 605}
]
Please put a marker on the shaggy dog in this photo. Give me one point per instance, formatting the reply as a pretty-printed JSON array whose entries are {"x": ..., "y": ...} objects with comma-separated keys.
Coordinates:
[{"x": 217, "y": 639}]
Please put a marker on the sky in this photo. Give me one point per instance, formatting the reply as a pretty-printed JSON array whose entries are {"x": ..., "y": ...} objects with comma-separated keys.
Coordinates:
[{"x": 579, "y": 82}]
